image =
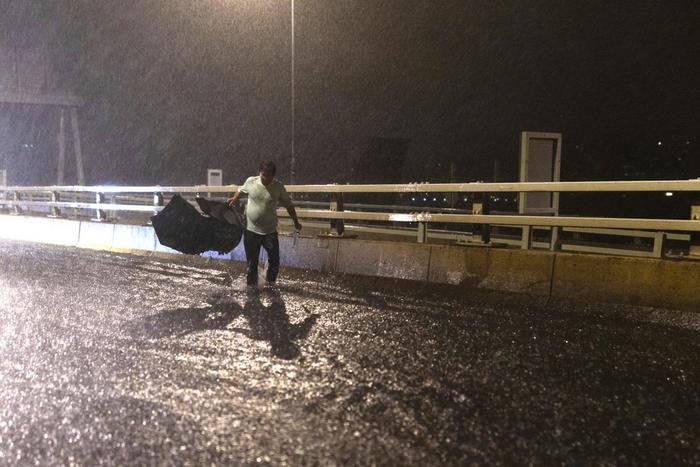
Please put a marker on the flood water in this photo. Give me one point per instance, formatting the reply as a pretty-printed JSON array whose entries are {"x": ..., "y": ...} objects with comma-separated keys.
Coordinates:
[{"x": 112, "y": 359}]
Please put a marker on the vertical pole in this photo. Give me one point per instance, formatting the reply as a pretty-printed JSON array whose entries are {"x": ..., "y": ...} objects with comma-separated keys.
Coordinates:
[
  {"x": 61, "y": 150},
  {"x": 157, "y": 202},
  {"x": 99, "y": 213},
  {"x": 486, "y": 232},
  {"x": 556, "y": 175},
  {"x": 527, "y": 238},
  {"x": 481, "y": 207},
  {"x": 292, "y": 169},
  {"x": 74, "y": 211},
  {"x": 452, "y": 197},
  {"x": 659, "y": 245},
  {"x": 336, "y": 204},
  {"x": 77, "y": 146},
  {"x": 55, "y": 211},
  {"x": 16, "y": 208},
  {"x": 555, "y": 242},
  {"x": 422, "y": 232},
  {"x": 694, "y": 249},
  {"x": 522, "y": 196}
]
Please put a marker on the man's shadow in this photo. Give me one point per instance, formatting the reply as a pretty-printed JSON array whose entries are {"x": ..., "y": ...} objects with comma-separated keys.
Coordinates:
[
  {"x": 266, "y": 322},
  {"x": 270, "y": 322},
  {"x": 179, "y": 322}
]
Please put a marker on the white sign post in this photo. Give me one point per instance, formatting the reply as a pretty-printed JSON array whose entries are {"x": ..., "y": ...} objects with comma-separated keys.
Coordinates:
[
  {"x": 215, "y": 177},
  {"x": 540, "y": 161}
]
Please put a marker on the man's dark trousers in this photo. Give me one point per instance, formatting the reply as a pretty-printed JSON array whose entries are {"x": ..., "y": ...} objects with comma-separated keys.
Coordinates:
[{"x": 252, "y": 242}]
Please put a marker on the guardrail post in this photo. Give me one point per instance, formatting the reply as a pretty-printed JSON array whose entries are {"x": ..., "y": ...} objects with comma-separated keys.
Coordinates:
[
  {"x": 481, "y": 207},
  {"x": 694, "y": 249},
  {"x": 422, "y": 232},
  {"x": 74, "y": 210},
  {"x": 526, "y": 241},
  {"x": 100, "y": 215},
  {"x": 55, "y": 211},
  {"x": 555, "y": 241},
  {"x": 659, "y": 250},
  {"x": 16, "y": 208},
  {"x": 336, "y": 205},
  {"x": 157, "y": 202}
]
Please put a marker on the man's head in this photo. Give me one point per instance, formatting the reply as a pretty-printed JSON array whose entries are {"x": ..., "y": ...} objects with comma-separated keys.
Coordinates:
[{"x": 267, "y": 172}]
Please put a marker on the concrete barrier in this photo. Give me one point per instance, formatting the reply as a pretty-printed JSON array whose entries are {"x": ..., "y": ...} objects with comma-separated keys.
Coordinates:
[
  {"x": 634, "y": 281},
  {"x": 492, "y": 268},
  {"x": 40, "y": 229},
  {"x": 96, "y": 235},
  {"x": 318, "y": 254},
  {"x": 383, "y": 259},
  {"x": 140, "y": 237},
  {"x": 519, "y": 271},
  {"x": 12, "y": 227},
  {"x": 595, "y": 278},
  {"x": 164, "y": 249},
  {"x": 458, "y": 265}
]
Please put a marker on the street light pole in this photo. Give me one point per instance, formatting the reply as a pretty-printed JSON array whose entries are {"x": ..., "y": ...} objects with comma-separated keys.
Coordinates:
[{"x": 292, "y": 177}]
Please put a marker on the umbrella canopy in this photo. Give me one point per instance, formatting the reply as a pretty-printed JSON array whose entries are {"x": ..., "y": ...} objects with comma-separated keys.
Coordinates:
[
  {"x": 221, "y": 211},
  {"x": 181, "y": 227}
]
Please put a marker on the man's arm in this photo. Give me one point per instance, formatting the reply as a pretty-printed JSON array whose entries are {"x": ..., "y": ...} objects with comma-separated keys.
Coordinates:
[
  {"x": 245, "y": 188},
  {"x": 287, "y": 202},
  {"x": 293, "y": 214},
  {"x": 234, "y": 199}
]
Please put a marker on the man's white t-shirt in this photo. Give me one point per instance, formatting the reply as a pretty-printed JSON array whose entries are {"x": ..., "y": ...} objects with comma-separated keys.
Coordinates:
[{"x": 263, "y": 201}]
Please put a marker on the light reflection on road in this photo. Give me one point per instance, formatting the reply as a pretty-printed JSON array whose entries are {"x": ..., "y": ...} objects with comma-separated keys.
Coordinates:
[{"x": 124, "y": 359}]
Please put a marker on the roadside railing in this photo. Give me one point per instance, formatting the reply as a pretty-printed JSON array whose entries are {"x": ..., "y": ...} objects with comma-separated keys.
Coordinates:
[{"x": 100, "y": 203}]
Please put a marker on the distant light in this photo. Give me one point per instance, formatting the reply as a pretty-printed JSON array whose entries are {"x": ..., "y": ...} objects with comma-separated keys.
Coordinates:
[
  {"x": 444, "y": 199},
  {"x": 434, "y": 199},
  {"x": 658, "y": 143},
  {"x": 425, "y": 199},
  {"x": 668, "y": 193},
  {"x": 413, "y": 199}
]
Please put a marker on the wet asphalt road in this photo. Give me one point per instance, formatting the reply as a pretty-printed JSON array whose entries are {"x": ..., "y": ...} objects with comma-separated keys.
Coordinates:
[{"x": 117, "y": 359}]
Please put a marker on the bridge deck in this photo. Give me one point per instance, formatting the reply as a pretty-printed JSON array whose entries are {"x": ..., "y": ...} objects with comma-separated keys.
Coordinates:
[{"x": 116, "y": 358}]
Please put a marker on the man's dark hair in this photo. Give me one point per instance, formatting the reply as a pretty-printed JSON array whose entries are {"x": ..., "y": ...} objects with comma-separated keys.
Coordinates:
[{"x": 268, "y": 166}]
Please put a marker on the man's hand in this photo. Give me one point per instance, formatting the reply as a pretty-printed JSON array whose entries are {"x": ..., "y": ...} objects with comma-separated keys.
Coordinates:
[
  {"x": 233, "y": 199},
  {"x": 293, "y": 214}
]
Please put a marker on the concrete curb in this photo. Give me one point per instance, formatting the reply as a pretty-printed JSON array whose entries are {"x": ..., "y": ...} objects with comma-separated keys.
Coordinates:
[{"x": 595, "y": 278}]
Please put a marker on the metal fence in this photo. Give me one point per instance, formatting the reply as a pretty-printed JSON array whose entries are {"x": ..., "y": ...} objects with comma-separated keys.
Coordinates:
[{"x": 647, "y": 237}]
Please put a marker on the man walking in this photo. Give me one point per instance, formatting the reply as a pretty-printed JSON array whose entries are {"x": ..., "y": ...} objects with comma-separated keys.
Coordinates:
[{"x": 265, "y": 194}]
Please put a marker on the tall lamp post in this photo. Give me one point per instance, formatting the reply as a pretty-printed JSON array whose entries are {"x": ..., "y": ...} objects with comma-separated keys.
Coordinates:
[{"x": 292, "y": 174}]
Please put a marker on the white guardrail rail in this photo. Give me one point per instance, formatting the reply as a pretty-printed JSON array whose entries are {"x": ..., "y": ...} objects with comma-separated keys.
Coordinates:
[{"x": 97, "y": 201}]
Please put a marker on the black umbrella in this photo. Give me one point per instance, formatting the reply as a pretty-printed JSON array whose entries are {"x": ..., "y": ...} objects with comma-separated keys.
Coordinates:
[
  {"x": 221, "y": 211},
  {"x": 181, "y": 227}
]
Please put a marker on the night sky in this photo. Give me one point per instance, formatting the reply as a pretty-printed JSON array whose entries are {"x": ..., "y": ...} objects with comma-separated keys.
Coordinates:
[{"x": 175, "y": 87}]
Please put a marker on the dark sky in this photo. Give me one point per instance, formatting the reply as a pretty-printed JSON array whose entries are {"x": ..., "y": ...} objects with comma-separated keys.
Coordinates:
[{"x": 174, "y": 87}]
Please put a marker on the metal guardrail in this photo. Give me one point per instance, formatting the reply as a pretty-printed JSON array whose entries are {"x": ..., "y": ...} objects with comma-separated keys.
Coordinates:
[
  {"x": 150, "y": 199},
  {"x": 470, "y": 187}
]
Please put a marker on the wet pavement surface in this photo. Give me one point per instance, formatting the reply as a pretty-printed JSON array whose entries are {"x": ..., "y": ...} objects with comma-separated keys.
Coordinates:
[{"x": 118, "y": 359}]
